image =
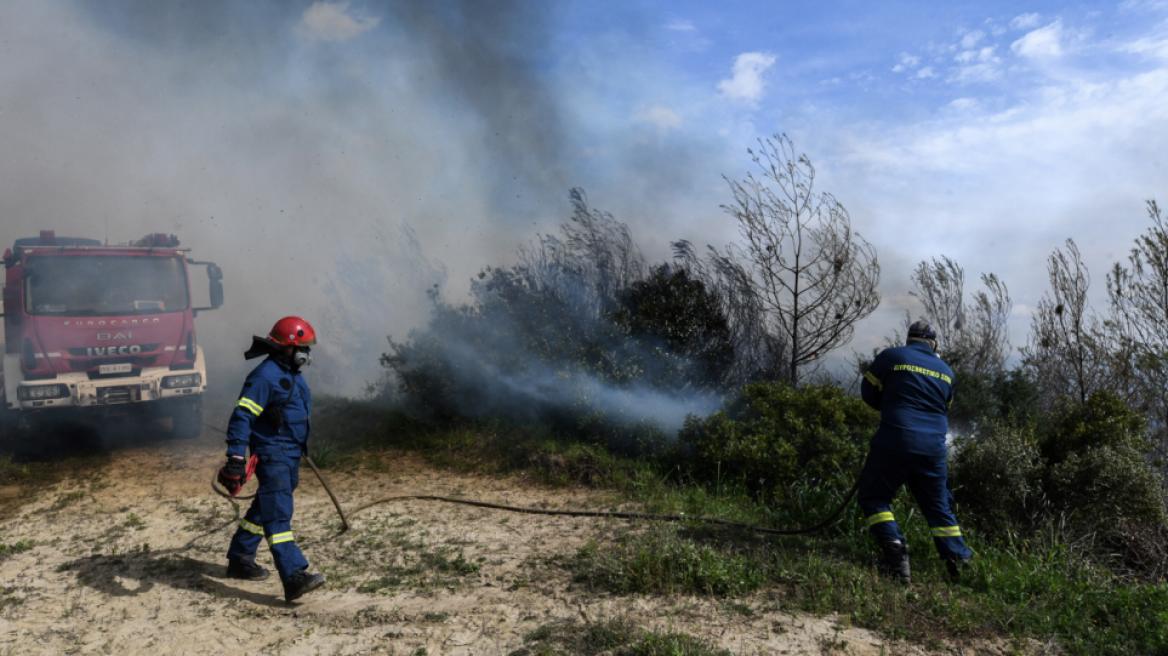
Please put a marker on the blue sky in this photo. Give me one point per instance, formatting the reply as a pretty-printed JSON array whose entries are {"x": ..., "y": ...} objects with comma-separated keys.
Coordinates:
[
  {"x": 288, "y": 136},
  {"x": 989, "y": 132}
]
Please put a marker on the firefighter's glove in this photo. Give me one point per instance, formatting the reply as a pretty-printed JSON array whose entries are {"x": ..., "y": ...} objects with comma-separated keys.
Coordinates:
[{"x": 232, "y": 476}]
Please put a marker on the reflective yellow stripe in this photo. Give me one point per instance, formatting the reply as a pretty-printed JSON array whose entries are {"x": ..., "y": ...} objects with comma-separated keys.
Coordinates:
[
  {"x": 874, "y": 380},
  {"x": 280, "y": 537},
  {"x": 946, "y": 531},
  {"x": 250, "y": 528},
  {"x": 881, "y": 517},
  {"x": 251, "y": 405}
]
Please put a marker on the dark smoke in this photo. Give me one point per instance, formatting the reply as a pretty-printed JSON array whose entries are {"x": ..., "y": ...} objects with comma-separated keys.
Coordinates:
[{"x": 315, "y": 167}]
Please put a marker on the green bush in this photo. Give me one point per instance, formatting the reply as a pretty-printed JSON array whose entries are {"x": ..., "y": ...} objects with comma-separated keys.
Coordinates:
[
  {"x": 997, "y": 476},
  {"x": 1104, "y": 420},
  {"x": 773, "y": 435},
  {"x": 1089, "y": 467},
  {"x": 1105, "y": 484},
  {"x": 1096, "y": 469}
]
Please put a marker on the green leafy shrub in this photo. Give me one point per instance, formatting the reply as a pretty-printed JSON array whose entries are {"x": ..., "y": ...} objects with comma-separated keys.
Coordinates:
[
  {"x": 1107, "y": 483},
  {"x": 997, "y": 476},
  {"x": 773, "y": 435},
  {"x": 1096, "y": 469},
  {"x": 1089, "y": 468},
  {"x": 1103, "y": 420}
]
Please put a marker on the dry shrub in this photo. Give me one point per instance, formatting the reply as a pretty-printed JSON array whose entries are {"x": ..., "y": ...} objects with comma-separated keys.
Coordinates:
[{"x": 580, "y": 465}]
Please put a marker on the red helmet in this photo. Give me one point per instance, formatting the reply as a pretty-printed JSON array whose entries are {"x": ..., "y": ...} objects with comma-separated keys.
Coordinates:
[{"x": 293, "y": 331}]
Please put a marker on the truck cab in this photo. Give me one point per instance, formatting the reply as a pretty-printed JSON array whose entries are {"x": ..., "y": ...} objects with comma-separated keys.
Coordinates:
[{"x": 101, "y": 330}]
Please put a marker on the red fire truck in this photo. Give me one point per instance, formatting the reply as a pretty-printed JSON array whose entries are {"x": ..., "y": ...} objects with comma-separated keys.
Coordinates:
[{"x": 92, "y": 330}]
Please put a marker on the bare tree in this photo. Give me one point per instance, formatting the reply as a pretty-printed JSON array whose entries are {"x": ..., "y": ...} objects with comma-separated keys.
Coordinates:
[
  {"x": 815, "y": 277},
  {"x": 940, "y": 287},
  {"x": 1139, "y": 320},
  {"x": 984, "y": 339},
  {"x": 973, "y": 334},
  {"x": 1069, "y": 350},
  {"x": 1139, "y": 295}
]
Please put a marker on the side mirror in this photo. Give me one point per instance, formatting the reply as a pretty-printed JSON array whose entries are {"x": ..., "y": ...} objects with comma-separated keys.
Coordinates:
[
  {"x": 216, "y": 293},
  {"x": 215, "y": 274}
]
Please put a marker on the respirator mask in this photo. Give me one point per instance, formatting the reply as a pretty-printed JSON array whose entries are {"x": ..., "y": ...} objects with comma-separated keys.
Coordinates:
[{"x": 302, "y": 358}]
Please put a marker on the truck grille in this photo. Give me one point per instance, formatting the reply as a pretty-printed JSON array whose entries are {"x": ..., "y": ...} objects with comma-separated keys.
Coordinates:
[
  {"x": 137, "y": 361},
  {"x": 114, "y": 395}
]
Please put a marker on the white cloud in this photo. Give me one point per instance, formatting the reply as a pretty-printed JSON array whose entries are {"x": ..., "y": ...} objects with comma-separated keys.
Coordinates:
[
  {"x": 681, "y": 26},
  {"x": 747, "y": 83},
  {"x": 925, "y": 73},
  {"x": 330, "y": 21},
  {"x": 985, "y": 55},
  {"x": 906, "y": 61},
  {"x": 971, "y": 39},
  {"x": 1143, "y": 5},
  {"x": 977, "y": 66},
  {"x": 1043, "y": 42},
  {"x": 1069, "y": 159},
  {"x": 1154, "y": 47},
  {"x": 663, "y": 117},
  {"x": 1025, "y": 21}
]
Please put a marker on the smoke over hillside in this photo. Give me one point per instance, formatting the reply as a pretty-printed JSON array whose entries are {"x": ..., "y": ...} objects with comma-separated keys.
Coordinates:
[
  {"x": 337, "y": 160},
  {"x": 308, "y": 148}
]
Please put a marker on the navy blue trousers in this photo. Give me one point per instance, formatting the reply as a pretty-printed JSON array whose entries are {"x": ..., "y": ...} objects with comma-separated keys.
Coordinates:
[
  {"x": 885, "y": 472},
  {"x": 270, "y": 516}
]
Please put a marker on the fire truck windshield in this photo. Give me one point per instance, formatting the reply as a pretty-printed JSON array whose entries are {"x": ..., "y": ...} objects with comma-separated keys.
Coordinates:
[{"x": 104, "y": 285}]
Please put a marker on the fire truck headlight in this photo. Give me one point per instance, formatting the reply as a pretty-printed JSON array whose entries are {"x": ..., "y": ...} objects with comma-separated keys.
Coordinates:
[
  {"x": 185, "y": 380},
  {"x": 39, "y": 392}
]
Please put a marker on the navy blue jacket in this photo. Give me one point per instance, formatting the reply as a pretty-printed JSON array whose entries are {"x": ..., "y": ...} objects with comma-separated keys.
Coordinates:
[
  {"x": 912, "y": 388},
  {"x": 272, "y": 389}
]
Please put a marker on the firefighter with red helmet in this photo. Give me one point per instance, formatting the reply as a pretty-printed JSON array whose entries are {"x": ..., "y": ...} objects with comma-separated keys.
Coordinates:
[{"x": 272, "y": 418}]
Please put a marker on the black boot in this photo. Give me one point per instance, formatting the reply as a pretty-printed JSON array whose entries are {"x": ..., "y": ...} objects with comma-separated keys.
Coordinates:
[
  {"x": 959, "y": 569},
  {"x": 301, "y": 583},
  {"x": 246, "y": 570},
  {"x": 895, "y": 561}
]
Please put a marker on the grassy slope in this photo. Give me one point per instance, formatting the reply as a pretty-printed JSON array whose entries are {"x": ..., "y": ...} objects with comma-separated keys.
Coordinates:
[{"x": 1040, "y": 589}]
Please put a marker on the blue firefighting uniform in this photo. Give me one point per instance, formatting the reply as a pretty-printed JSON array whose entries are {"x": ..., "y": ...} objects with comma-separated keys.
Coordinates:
[
  {"x": 912, "y": 388},
  {"x": 272, "y": 389}
]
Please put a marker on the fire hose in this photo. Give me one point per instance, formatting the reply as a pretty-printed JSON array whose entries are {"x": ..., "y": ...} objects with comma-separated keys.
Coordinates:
[{"x": 564, "y": 513}]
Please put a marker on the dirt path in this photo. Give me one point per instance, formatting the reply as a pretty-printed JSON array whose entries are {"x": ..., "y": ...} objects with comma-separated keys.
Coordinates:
[{"x": 131, "y": 562}]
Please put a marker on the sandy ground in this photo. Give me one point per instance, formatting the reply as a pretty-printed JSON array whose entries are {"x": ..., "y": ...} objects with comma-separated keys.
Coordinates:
[{"x": 130, "y": 561}]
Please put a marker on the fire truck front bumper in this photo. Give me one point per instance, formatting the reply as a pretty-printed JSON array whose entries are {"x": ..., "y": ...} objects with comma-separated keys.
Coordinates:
[{"x": 150, "y": 386}]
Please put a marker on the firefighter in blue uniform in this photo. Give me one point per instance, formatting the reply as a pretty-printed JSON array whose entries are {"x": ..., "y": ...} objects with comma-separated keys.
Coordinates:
[
  {"x": 912, "y": 388},
  {"x": 272, "y": 418}
]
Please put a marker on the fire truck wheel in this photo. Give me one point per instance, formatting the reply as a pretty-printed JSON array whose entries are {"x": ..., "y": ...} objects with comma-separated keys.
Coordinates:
[{"x": 187, "y": 422}]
